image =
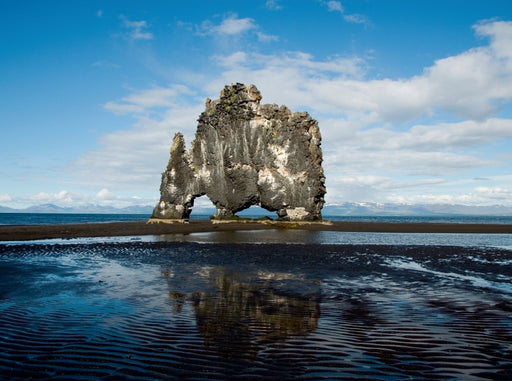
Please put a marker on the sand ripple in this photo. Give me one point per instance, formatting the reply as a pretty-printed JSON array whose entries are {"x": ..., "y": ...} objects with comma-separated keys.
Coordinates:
[{"x": 170, "y": 311}]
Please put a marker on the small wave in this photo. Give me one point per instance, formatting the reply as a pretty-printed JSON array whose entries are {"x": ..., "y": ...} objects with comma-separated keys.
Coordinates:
[
  {"x": 502, "y": 262},
  {"x": 476, "y": 281}
]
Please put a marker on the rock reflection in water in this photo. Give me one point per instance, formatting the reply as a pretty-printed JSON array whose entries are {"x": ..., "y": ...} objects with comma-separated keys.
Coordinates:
[{"x": 238, "y": 315}]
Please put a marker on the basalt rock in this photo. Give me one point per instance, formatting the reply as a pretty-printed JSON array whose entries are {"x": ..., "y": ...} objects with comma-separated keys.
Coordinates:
[{"x": 246, "y": 154}]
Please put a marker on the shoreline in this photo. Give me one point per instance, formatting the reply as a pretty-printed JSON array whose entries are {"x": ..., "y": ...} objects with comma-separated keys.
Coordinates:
[{"x": 110, "y": 229}]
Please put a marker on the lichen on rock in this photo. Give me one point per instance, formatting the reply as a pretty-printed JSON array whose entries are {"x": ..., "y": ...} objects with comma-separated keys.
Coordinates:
[{"x": 246, "y": 154}]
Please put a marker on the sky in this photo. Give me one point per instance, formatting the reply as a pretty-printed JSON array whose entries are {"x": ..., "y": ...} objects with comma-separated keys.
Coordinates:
[{"x": 413, "y": 98}]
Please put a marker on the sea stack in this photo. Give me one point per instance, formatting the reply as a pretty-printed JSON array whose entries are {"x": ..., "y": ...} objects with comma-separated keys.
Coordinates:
[{"x": 245, "y": 154}]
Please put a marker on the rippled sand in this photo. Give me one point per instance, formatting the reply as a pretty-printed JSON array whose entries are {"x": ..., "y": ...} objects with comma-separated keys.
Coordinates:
[{"x": 173, "y": 310}]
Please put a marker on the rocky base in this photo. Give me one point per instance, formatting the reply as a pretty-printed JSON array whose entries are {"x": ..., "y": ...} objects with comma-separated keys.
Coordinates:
[
  {"x": 276, "y": 223},
  {"x": 167, "y": 221}
]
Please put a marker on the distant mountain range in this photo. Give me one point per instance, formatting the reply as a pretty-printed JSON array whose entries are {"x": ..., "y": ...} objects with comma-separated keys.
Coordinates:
[
  {"x": 388, "y": 209},
  {"x": 86, "y": 209},
  {"x": 341, "y": 209}
]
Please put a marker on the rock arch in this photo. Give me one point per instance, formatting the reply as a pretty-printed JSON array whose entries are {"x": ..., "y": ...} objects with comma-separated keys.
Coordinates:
[{"x": 246, "y": 154}]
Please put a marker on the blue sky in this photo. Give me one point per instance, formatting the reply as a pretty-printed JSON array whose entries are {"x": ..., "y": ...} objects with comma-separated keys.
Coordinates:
[{"x": 413, "y": 98}]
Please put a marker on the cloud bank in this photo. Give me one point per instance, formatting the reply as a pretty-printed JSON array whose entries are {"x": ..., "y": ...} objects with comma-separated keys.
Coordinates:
[{"x": 431, "y": 137}]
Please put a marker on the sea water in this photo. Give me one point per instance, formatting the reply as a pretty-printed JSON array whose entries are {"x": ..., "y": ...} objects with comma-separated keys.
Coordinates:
[
  {"x": 73, "y": 218},
  {"x": 266, "y": 305},
  {"x": 66, "y": 218}
]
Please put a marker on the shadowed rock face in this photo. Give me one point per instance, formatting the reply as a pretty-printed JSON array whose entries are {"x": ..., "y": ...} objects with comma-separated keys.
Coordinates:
[{"x": 246, "y": 154}]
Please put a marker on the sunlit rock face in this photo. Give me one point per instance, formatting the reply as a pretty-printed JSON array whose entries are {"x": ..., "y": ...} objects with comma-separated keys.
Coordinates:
[{"x": 246, "y": 154}]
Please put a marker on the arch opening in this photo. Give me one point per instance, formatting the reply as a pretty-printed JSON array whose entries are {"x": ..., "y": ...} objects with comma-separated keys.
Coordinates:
[
  {"x": 202, "y": 208},
  {"x": 256, "y": 211}
]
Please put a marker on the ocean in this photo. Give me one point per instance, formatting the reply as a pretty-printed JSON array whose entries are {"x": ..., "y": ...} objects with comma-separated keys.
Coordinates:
[
  {"x": 276, "y": 304},
  {"x": 66, "y": 218},
  {"x": 72, "y": 218}
]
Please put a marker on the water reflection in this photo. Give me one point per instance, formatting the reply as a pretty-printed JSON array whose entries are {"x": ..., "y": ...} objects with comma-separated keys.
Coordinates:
[
  {"x": 253, "y": 311},
  {"x": 295, "y": 236},
  {"x": 248, "y": 236},
  {"x": 240, "y": 313}
]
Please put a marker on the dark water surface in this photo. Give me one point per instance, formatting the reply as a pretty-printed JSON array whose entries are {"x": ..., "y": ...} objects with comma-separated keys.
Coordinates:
[
  {"x": 78, "y": 218},
  {"x": 67, "y": 218},
  {"x": 169, "y": 310}
]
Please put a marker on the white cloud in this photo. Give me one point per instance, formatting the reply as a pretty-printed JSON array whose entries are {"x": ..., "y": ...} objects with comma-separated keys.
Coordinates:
[
  {"x": 499, "y": 195},
  {"x": 233, "y": 59},
  {"x": 419, "y": 191},
  {"x": 334, "y": 6},
  {"x": 235, "y": 27},
  {"x": 443, "y": 150},
  {"x": 137, "y": 29},
  {"x": 500, "y": 33},
  {"x": 301, "y": 63},
  {"x": 362, "y": 188},
  {"x": 421, "y": 138},
  {"x": 470, "y": 85},
  {"x": 229, "y": 26},
  {"x": 356, "y": 19},
  {"x": 266, "y": 37},
  {"x": 497, "y": 192},
  {"x": 5, "y": 197},
  {"x": 476, "y": 197},
  {"x": 143, "y": 101},
  {"x": 135, "y": 158},
  {"x": 351, "y": 160},
  {"x": 63, "y": 197},
  {"x": 419, "y": 154},
  {"x": 273, "y": 5},
  {"x": 103, "y": 194},
  {"x": 289, "y": 78}
]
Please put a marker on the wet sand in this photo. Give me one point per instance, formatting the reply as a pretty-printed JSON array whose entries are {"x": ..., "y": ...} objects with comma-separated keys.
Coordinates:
[
  {"x": 174, "y": 310},
  {"x": 32, "y": 232}
]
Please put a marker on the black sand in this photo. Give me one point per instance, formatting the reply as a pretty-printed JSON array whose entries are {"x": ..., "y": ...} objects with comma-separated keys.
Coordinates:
[
  {"x": 173, "y": 310},
  {"x": 31, "y": 232}
]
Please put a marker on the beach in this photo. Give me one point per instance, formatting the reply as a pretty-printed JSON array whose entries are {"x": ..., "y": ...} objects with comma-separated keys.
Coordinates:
[
  {"x": 111, "y": 229},
  {"x": 241, "y": 300},
  {"x": 171, "y": 310},
  {"x": 244, "y": 299}
]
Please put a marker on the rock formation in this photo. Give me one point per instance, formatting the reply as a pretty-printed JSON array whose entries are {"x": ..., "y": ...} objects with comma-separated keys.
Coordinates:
[{"x": 246, "y": 154}]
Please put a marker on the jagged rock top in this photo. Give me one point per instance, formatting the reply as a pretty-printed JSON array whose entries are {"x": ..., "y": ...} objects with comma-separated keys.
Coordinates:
[{"x": 246, "y": 154}]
